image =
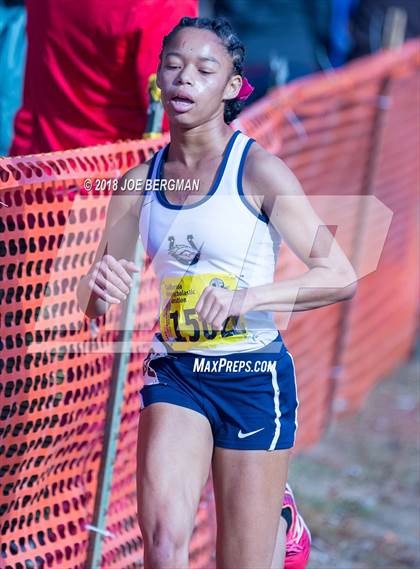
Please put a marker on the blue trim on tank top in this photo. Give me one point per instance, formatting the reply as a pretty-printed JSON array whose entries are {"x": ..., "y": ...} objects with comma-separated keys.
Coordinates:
[
  {"x": 151, "y": 165},
  {"x": 149, "y": 173},
  {"x": 261, "y": 216},
  {"x": 220, "y": 171}
]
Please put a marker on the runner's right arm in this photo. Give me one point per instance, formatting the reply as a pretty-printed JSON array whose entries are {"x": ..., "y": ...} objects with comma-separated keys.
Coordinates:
[{"x": 108, "y": 280}]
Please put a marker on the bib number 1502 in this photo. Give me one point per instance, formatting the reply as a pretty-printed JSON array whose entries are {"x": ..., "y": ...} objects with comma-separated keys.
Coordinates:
[{"x": 201, "y": 330}]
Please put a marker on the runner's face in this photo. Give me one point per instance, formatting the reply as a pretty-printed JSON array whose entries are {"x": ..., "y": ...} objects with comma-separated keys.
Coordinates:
[{"x": 195, "y": 77}]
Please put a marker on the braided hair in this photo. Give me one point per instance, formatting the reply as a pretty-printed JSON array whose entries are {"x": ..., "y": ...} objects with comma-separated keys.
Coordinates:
[{"x": 222, "y": 28}]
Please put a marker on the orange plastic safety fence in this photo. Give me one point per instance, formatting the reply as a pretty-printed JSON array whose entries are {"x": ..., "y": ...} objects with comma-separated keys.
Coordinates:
[
  {"x": 383, "y": 318},
  {"x": 347, "y": 133},
  {"x": 350, "y": 133}
]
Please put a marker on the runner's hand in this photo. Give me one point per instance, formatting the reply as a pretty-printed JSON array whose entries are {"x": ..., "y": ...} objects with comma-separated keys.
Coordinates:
[
  {"x": 110, "y": 279},
  {"x": 216, "y": 304}
]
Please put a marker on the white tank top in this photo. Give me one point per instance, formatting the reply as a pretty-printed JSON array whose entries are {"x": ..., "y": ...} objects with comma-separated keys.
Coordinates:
[{"x": 221, "y": 240}]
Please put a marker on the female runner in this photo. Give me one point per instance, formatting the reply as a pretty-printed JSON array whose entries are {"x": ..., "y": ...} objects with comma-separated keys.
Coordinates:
[{"x": 220, "y": 387}]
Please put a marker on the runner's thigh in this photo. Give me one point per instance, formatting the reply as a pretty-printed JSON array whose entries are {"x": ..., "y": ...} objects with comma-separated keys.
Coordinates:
[{"x": 174, "y": 451}]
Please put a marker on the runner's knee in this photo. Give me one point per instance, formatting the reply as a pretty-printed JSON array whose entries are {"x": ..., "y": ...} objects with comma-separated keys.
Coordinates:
[{"x": 166, "y": 539}]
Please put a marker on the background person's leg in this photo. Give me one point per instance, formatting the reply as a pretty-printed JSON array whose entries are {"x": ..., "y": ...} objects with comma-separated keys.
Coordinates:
[
  {"x": 249, "y": 488},
  {"x": 175, "y": 446}
]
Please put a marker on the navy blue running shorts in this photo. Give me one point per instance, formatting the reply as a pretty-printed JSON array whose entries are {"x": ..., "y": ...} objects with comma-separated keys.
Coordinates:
[{"x": 249, "y": 398}]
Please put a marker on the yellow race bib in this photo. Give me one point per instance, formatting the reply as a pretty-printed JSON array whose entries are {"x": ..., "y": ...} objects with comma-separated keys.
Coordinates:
[{"x": 179, "y": 322}]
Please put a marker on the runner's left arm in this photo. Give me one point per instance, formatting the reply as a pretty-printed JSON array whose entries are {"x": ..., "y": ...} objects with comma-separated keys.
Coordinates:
[{"x": 330, "y": 277}]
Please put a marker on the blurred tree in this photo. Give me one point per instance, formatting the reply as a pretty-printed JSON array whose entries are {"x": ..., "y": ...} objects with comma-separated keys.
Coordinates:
[
  {"x": 369, "y": 19},
  {"x": 291, "y": 35}
]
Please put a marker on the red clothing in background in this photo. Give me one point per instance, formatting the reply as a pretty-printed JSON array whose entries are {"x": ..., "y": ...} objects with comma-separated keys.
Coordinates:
[{"x": 87, "y": 70}]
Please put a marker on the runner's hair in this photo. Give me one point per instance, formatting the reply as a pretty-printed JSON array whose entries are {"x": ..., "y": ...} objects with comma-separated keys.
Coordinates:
[{"x": 222, "y": 28}]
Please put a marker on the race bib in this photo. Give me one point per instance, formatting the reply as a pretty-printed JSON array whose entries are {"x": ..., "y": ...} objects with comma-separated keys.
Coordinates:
[{"x": 180, "y": 324}]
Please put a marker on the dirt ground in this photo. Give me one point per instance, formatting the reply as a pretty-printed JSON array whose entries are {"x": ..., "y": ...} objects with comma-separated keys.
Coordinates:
[{"x": 358, "y": 489}]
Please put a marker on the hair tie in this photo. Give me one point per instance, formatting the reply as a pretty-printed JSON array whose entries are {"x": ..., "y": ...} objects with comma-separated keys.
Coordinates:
[{"x": 245, "y": 91}]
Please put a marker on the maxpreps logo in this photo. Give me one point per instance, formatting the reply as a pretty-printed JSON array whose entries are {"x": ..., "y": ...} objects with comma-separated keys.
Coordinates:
[{"x": 205, "y": 365}]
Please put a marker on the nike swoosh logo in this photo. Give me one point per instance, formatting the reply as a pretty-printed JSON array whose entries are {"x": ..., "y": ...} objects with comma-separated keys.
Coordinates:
[{"x": 242, "y": 435}]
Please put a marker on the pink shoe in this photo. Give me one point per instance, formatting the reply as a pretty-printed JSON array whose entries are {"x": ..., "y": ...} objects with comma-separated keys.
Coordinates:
[{"x": 298, "y": 538}]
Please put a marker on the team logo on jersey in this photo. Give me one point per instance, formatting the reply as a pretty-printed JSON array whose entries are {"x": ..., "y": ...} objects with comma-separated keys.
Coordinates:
[{"x": 185, "y": 253}]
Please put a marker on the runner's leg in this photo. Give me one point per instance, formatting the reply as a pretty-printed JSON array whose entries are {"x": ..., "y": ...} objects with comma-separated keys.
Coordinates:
[
  {"x": 280, "y": 547},
  {"x": 249, "y": 488},
  {"x": 175, "y": 446}
]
